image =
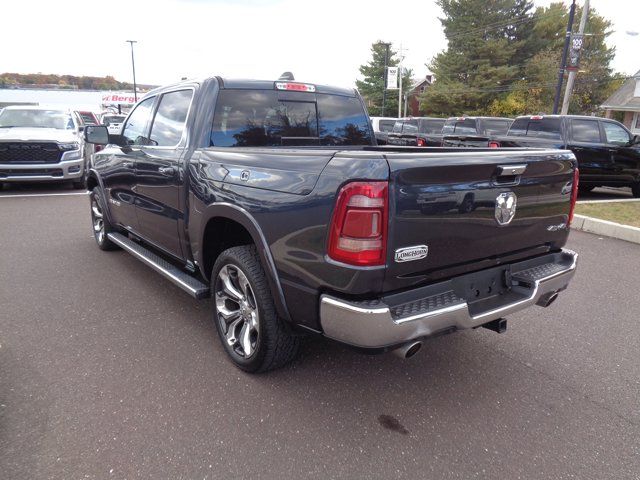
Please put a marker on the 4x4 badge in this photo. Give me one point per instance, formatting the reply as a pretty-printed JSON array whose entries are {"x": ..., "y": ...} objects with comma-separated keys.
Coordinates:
[{"x": 408, "y": 254}]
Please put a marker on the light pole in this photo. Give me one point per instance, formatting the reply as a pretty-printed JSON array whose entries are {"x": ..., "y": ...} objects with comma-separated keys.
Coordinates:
[{"x": 133, "y": 65}]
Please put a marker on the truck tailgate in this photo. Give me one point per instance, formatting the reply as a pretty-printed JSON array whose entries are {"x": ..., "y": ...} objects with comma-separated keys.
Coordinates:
[{"x": 457, "y": 205}]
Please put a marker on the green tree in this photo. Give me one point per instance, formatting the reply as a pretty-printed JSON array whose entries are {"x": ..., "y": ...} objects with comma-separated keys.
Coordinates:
[
  {"x": 488, "y": 43},
  {"x": 595, "y": 81},
  {"x": 372, "y": 86}
]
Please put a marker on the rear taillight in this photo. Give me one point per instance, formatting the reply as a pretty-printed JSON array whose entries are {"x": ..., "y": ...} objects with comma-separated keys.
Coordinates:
[
  {"x": 421, "y": 142},
  {"x": 358, "y": 231},
  {"x": 574, "y": 195},
  {"x": 494, "y": 144},
  {"x": 98, "y": 148}
]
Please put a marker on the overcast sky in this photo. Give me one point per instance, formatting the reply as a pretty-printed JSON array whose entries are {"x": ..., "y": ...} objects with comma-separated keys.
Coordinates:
[{"x": 320, "y": 42}]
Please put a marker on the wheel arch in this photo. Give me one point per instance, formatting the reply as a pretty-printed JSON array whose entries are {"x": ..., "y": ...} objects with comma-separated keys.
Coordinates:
[
  {"x": 225, "y": 226},
  {"x": 93, "y": 181}
]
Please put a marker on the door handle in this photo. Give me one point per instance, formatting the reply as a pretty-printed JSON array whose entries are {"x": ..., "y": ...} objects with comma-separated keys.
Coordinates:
[{"x": 168, "y": 171}]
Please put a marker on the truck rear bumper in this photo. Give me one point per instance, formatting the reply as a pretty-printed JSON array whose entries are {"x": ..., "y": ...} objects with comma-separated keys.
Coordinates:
[{"x": 463, "y": 302}]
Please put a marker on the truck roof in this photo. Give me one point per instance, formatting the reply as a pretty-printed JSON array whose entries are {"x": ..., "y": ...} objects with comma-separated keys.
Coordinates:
[
  {"x": 481, "y": 117},
  {"x": 248, "y": 84},
  {"x": 541, "y": 116}
]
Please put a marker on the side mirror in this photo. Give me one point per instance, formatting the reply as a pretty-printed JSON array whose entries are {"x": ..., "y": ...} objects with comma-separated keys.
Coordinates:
[
  {"x": 96, "y": 134},
  {"x": 635, "y": 140}
]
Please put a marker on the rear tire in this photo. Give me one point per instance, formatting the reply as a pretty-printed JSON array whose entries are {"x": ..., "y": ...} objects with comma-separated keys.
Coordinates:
[
  {"x": 635, "y": 189},
  {"x": 99, "y": 221},
  {"x": 252, "y": 334},
  {"x": 582, "y": 189}
]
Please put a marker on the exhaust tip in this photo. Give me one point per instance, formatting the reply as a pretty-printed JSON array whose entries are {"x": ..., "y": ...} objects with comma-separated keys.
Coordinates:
[
  {"x": 548, "y": 299},
  {"x": 408, "y": 350},
  {"x": 413, "y": 349}
]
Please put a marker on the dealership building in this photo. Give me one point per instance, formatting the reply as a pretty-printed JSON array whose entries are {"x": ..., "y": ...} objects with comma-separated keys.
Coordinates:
[{"x": 87, "y": 100}]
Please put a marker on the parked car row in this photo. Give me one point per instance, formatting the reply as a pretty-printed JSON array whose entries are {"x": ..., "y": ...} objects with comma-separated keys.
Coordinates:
[
  {"x": 608, "y": 154},
  {"x": 439, "y": 132}
]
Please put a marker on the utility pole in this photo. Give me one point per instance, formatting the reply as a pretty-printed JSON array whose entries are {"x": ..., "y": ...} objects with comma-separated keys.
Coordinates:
[
  {"x": 386, "y": 62},
  {"x": 133, "y": 64},
  {"x": 572, "y": 74},
  {"x": 563, "y": 62}
]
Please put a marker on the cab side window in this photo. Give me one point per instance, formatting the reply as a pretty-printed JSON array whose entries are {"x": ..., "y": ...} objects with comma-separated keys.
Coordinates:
[
  {"x": 615, "y": 134},
  {"x": 171, "y": 116},
  {"x": 586, "y": 131},
  {"x": 135, "y": 130}
]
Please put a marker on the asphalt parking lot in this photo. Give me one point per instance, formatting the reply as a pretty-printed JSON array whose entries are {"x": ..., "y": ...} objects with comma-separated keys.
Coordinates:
[{"x": 109, "y": 371}]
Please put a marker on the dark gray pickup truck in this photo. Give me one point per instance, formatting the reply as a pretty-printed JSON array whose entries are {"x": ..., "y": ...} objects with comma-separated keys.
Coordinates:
[{"x": 271, "y": 197}]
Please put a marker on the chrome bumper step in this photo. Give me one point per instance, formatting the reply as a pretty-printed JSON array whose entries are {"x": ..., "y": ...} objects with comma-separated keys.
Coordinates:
[
  {"x": 186, "y": 282},
  {"x": 400, "y": 318}
]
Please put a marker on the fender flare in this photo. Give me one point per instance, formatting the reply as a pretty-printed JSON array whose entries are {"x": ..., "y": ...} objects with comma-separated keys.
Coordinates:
[
  {"x": 244, "y": 218},
  {"x": 106, "y": 208}
]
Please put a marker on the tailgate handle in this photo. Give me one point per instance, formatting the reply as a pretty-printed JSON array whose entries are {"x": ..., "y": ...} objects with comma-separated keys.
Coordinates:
[{"x": 511, "y": 170}]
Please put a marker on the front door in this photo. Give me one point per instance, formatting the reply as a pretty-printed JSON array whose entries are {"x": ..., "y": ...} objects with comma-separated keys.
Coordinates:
[
  {"x": 625, "y": 158},
  {"x": 160, "y": 175},
  {"x": 119, "y": 169}
]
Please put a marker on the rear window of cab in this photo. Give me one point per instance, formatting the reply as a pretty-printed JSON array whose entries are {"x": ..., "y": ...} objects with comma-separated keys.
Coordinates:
[
  {"x": 269, "y": 118},
  {"x": 536, "y": 127}
]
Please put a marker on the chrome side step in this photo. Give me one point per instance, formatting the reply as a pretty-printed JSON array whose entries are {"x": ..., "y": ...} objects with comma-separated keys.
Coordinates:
[{"x": 186, "y": 282}]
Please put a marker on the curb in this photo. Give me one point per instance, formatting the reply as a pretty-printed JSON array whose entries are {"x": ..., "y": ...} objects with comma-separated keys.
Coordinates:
[{"x": 606, "y": 228}]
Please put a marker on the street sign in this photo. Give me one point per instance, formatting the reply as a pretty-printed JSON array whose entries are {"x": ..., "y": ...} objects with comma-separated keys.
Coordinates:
[
  {"x": 573, "y": 62},
  {"x": 392, "y": 78}
]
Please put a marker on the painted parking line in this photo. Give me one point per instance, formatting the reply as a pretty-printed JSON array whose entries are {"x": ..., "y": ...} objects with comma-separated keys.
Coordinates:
[{"x": 44, "y": 195}]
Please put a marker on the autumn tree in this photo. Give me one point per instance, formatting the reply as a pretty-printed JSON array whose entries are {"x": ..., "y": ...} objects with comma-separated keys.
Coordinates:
[{"x": 595, "y": 81}]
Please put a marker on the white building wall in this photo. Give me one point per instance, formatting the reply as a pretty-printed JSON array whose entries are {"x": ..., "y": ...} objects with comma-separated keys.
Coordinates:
[{"x": 74, "y": 99}]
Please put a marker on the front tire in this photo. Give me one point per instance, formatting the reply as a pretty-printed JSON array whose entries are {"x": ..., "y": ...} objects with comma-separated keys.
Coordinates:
[
  {"x": 635, "y": 189},
  {"x": 253, "y": 335},
  {"x": 99, "y": 221}
]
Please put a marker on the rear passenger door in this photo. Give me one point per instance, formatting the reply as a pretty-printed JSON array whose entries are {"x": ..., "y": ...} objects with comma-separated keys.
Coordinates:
[
  {"x": 160, "y": 173},
  {"x": 593, "y": 157}
]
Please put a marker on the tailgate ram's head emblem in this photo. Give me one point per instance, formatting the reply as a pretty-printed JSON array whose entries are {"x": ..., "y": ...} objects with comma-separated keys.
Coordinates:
[{"x": 505, "y": 207}]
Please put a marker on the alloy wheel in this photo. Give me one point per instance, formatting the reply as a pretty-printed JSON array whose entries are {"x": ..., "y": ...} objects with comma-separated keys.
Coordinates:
[
  {"x": 237, "y": 311},
  {"x": 98, "y": 220}
]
